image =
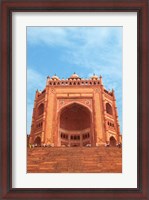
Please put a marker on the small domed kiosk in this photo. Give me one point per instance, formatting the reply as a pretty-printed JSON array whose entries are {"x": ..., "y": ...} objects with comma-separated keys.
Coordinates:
[{"x": 74, "y": 76}]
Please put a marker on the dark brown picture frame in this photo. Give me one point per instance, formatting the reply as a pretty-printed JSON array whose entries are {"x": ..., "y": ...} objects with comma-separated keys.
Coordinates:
[{"x": 139, "y": 6}]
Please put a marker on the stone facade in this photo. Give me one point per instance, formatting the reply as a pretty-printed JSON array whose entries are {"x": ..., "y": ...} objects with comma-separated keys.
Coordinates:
[{"x": 75, "y": 112}]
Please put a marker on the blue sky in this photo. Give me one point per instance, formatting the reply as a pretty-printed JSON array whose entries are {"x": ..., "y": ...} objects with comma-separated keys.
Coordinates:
[{"x": 65, "y": 50}]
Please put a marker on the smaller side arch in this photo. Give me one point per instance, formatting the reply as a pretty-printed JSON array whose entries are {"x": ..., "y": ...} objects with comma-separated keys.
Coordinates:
[
  {"x": 109, "y": 109},
  {"x": 112, "y": 141},
  {"x": 37, "y": 141},
  {"x": 40, "y": 109}
]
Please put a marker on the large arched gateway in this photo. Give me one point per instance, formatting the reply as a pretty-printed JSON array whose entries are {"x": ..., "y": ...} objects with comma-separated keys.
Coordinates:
[
  {"x": 75, "y": 112},
  {"x": 75, "y": 126}
]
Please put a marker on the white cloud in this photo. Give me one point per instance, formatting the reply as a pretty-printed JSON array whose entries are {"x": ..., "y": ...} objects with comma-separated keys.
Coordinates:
[
  {"x": 46, "y": 35},
  {"x": 88, "y": 36},
  {"x": 35, "y": 80},
  {"x": 95, "y": 48}
]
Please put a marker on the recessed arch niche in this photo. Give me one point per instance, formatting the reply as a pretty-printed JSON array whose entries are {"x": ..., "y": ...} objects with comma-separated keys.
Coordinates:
[{"x": 75, "y": 125}]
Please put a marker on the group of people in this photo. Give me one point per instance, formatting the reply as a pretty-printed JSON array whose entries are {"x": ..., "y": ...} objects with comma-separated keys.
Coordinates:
[
  {"x": 119, "y": 145},
  {"x": 42, "y": 145}
]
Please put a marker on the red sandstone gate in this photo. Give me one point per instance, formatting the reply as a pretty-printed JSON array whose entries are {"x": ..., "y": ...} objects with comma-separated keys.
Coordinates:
[
  {"x": 75, "y": 126},
  {"x": 75, "y": 112}
]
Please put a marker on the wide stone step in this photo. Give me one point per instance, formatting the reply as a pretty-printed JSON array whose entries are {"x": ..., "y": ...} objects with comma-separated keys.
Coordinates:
[{"x": 74, "y": 160}]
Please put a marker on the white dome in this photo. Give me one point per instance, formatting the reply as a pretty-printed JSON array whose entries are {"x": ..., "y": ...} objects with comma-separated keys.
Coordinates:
[
  {"x": 74, "y": 76},
  {"x": 55, "y": 77}
]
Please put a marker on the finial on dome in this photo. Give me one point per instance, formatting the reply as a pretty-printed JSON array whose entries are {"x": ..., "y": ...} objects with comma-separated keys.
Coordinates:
[
  {"x": 94, "y": 77},
  {"x": 55, "y": 77},
  {"x": 74, "y": 76}
]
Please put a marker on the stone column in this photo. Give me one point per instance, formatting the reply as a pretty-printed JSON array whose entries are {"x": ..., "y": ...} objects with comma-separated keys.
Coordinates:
[
  {"x": 103, "y": 113},
  {"x": 116, "y": 117},
  {"x": 98, "y": 117},
  {"x": 81, "y": 140},
  {"x": 49, "y": 117},
  {"x": 43, "y": 120},
  {"x": 31, "y": 140},
  {"x": 69, "y": 140},
  {"x": 59, "y": 139}
]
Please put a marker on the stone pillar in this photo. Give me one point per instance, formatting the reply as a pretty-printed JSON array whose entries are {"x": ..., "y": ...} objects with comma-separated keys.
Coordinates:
[
  {"x": 49, "y": 117},
  {"x": 42, "y": 137},
  {"x": 55, "y": 124},
  {"x": 103, "y": 112},
  {"x": 98, "y": 118},
  {"x": 116, "y": 117},
  {"x": 69, "y": 140},
  {"x": 31, "y": 140},
  {"x": 81, "y": 140},
  {"x": 91, "y": 132},
  {"x": 43, "y": 121},
  {"x": 59, "y": 139}
]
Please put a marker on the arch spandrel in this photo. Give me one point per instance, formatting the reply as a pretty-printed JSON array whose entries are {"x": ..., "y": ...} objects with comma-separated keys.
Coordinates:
[{"x": 62, "y": 103}]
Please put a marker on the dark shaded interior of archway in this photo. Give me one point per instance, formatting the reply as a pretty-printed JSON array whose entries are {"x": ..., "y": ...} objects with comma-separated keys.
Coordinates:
[
  {"x": 112, "y": 141},
  {"x": 75, "y": 117},
  {"x": 37, "y": 141}
]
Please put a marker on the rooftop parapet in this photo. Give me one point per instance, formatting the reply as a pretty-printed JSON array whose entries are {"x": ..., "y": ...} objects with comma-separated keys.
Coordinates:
[{"x": 74, "y": 79}]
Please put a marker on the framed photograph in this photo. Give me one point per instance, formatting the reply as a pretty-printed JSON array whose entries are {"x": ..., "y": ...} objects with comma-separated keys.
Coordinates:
[{"x": 74, "y": 99}]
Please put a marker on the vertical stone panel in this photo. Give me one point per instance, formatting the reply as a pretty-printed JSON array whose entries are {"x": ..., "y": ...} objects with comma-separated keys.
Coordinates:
[
  {"x": 49, "y": 117},
  {"x": 33, "y": 121},
  {"x": 55, "y": 134},
  {"x": 103, "y": 124},
  {"x": 116, "y": 118},
  {"x": 98, "y": 118}
]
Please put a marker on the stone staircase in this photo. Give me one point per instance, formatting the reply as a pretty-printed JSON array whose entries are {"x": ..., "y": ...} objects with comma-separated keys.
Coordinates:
[{"x": 74, "y": 160}]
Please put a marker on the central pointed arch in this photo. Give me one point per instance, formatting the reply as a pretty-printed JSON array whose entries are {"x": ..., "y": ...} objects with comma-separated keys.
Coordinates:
[{"x": 75, "y": 125}]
